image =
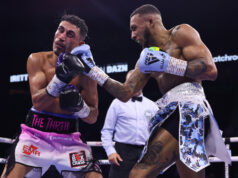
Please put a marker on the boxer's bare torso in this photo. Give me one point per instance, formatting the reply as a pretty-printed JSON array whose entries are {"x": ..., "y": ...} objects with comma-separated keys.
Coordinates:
[
  {"x": 168, "y": 81},
  {"x": 182, "y": 42},
  {"x": 41, "y": 69}
]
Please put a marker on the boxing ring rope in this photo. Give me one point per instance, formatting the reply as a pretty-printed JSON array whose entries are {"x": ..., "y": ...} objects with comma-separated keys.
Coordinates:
[{"x": 106, "y": 162}]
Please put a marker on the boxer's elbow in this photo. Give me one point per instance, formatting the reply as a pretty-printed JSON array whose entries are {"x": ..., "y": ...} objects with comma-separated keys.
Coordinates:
[
  {"x": 43, "y": 102},
  {"x": 211, "y": 73},
  {"x": 214, "y": 74},
  {"x": 125, "y": 94},
  {"x": 125, "y": 98},
  {"x": 92, "y": 118},
  {"x": 201, "y": 70},
  {"x": 211, "y": 70},
  {"x": 211, "y": 77},
  {"x": 37, "y": 104}
]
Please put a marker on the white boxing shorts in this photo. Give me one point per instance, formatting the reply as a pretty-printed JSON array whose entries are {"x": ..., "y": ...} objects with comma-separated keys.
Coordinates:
[{"x": 40, "y": 149}]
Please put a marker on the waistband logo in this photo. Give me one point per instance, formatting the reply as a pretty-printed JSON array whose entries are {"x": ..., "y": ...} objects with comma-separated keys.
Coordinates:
[
  {"x": 50, "y": 124},
  {"x": 28, "y": 150}
]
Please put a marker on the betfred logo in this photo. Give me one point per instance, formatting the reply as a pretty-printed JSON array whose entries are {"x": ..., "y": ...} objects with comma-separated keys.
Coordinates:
[
  {"x": 78, "y": 159},
  {"x": 28, "y": 150}
]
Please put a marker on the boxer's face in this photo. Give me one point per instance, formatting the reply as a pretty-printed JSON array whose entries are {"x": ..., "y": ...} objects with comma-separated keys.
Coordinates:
[
  {"x": 140, "y": 30},
  {"x": 67, "y": 36}
]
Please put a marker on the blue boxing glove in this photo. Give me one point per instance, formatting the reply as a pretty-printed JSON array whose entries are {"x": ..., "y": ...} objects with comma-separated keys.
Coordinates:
[
  {"x": 84, "y": 53},
  {"x": 154, "y": 60},
  {"x": 90, "y": 69},
  {"x": 67, "y": 67},
  {"x": 71, "y": 101}
]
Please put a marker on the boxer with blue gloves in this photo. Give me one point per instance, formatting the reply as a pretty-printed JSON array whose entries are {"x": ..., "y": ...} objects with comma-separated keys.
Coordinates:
[
  {"x": 179, "y": 61},
  {"x": 90, "y": 68},
  {"x": 154, "y": 60}
]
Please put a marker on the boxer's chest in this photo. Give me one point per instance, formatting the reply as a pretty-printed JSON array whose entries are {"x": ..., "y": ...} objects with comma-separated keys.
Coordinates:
[{"x": 49, "y": 68}]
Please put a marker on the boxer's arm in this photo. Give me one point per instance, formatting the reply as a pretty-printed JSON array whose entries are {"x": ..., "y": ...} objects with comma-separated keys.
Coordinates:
[
  {"x": 121, "y": 91},
  {"x": 90, "y": 95},
  {"x": 201, "y": 65},
  {"x": 38, "y": 82},
  {"x": 124, "y": 91}
]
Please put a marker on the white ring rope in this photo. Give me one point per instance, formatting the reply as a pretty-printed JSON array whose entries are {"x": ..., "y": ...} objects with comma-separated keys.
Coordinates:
[
  {"x": 6, "y": 140},
  {"x": 231, "y": 139},
  {"x": 106, "y": 162},
  {"x": 99, "y": 144},
  {"x": 90, "y": 143}
]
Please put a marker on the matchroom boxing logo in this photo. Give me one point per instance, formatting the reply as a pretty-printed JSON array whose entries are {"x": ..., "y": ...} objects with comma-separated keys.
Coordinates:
[{"x": 226, "y": 58}]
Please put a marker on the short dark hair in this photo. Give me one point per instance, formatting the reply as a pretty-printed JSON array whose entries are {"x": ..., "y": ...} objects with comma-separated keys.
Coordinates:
[
  {"x": 78, "y": 22},
  {"x": 146, "y": 9}
]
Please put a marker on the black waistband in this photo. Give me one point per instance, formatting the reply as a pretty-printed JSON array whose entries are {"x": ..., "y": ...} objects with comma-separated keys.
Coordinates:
[
  {"x": 126, "y": 144},
  {"x": 49, "y": 123}
]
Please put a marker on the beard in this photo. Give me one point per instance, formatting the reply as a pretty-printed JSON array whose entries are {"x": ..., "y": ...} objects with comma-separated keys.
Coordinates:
[
  {"x": 147, "y": 36},
  {"x": 57, "y": 52}
]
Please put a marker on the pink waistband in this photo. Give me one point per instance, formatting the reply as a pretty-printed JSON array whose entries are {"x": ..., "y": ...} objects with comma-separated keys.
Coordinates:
[{"x": 52, "y": 136}]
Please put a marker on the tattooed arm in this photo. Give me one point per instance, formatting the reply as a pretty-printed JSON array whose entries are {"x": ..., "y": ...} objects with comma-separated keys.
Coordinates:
[
  {"x": 200, "y": 62},
  {"x": 124, "y": 91}
]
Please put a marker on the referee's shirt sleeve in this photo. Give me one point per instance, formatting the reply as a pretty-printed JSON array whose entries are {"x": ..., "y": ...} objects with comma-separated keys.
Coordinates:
[{"x": 109, "y": 128}]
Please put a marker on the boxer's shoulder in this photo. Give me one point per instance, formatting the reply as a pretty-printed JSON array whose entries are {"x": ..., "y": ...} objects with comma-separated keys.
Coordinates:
[
  {"x": 184, "y": 35},
  {"x": 41, "y": 57},
  {"x": 181, "y": 28}
]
